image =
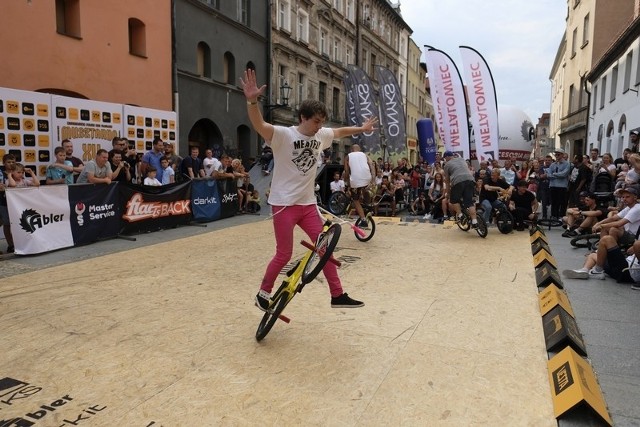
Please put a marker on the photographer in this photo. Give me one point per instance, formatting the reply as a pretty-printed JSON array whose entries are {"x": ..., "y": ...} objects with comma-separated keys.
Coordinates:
[{"x": 120, "y": 168}]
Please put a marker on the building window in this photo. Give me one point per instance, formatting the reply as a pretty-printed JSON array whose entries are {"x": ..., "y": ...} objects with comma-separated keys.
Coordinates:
[
  {"x": 348, "y": 55},
  {"x": 350, "y": 10},
  {"x": 137, "y": 37},
  {"x": 637, "y": 70},
  {"x": 585, "y": 30},
  {"x": 322, "y": 92},
  {"x": 303, "y": 27},
  {"x": 301, "y": 88},
  {"x": 203, "y": 58},
  {"x": 323, "y": 48},
  {"x": 627, "y": 72},
  {"x": 595, "y": 99},
  {"x": 603, "y": 91},
  {"x": 229, "y": 68},
  {"x": 337, "y": 51},
  {"x": 337, "y": 4},
  {"x": 572, "y": 98},
  {"x": 365, "y": 59},
  {"x": 574, "y": 42},
  {"x": 283, "y": 15},
  {"x": 614, "y": 84},
  {"x": 282, "y": 79},
  {"x": 335, "y": 103},
  {"x": 373, "y": 65},
  {"x": 68, "y": 17},
  {"x": 243, "y": 12}
]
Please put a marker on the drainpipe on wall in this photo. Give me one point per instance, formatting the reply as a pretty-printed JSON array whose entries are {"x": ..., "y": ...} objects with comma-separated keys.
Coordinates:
[
  {"x": 586, "y": 127},
  {"x": 174, "y": 73}
]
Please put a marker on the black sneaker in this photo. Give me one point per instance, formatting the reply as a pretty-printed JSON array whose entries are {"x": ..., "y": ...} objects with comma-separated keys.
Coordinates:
[
  {"x": 10, "y": 249},
  {"x": 636, "y": 286},
  {"x": 262, "y": 300},
  {"x": 344, "y": 301},
  {"x": 362, "y": 223}
]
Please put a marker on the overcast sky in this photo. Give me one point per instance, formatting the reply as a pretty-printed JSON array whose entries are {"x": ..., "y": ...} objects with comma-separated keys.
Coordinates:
[{"x": 518, "y": 39}]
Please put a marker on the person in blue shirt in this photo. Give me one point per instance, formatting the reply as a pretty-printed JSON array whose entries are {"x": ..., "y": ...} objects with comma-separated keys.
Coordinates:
[{"x": 558, "y": 175}]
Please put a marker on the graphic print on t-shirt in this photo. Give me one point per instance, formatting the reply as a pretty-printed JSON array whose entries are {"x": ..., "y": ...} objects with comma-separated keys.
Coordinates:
[{"x": 306, "y": 159}]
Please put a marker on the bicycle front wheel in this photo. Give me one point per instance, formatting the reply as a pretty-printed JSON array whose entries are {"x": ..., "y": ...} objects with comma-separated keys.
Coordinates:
[
  {"x": 504, "y": 221},
  {"x": 324, "y": 248},
  {"x": 463, "y": 222},
  {"x": 338, "y": 202},
  {"x": 270, "y": 317},
  {"x": 369, "y": 230},
  {"x": 482, "y": 227}
]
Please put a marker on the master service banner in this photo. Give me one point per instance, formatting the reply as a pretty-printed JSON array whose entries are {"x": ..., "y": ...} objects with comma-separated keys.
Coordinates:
[
  {"x": 483, "y": 104},
  {"x": 95, "y": 212},
  {"x": 39, "y": 218}
]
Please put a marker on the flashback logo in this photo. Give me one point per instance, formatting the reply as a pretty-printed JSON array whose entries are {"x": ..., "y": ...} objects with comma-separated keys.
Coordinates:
[
  {"x": 31, "y": 220},
  {"x": 138, "y": 209}
]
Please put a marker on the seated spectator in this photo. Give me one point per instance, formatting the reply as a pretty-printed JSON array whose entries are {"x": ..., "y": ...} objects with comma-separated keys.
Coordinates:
[
  {"x": 581, "y": 218},
  {"x": 151, "y": 179},
  {"x": 523, "y": 205},
  {"x": 248, "y": 188},
  {"x": 419, "y": 206},
  {"x": 399, "y": 184},
  {"x": 168, "y": 174},
  {"x": 437, "y": 200},
  {"x": 253, "y": 205},
  {"x": 239, "y": 174},
  {"x": 61, "y": 171},
  {"x": 337, "y": 184},
  {"x": 119, "y": 167},
  {"x": 226, "y": 170},
  {"x": 385, "y": 195},
  {"x": 622, "y": 226},
  {"x": 97, "y": 171},
  {"x": 17, "y": 177},
  {"x": 611, "y": 260},
  {"x": 494, "y": 189}
]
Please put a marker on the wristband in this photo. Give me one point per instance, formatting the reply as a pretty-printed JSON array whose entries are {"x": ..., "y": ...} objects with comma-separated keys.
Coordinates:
[{"x": 252, "y": 102}]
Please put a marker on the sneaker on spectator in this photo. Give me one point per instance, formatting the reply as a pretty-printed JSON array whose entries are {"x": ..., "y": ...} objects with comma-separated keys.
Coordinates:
[
  {"x": 344, "y": 301},
  {"x": 575, "y": 274},
  {"x": 573, "y": 233},
  {"x": 427, "y": 216},
  {"x": 262, "y": 300},
  {"x": 594, "y": 274},
  {"x": 636, "y": 286}
]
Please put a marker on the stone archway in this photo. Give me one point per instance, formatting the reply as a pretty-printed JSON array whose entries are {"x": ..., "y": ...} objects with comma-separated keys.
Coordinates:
[{"x": 205, "y": 134}]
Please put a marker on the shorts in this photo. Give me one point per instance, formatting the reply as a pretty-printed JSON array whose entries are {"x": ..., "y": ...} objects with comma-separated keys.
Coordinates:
[
  {"x": 615, "y": 263},
  {"x": 4, "y": 215},
  {"x": 463, "y": 192},
  {"x": 627, "y": 239}
]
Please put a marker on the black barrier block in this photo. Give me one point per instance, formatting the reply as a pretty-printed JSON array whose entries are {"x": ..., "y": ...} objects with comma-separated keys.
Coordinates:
[
  {"x": 546, "y": 274},
  {"x": 538, "y": 245},
  {"x": 561, "y": 330},
  {"x": 533, "y": 230}
]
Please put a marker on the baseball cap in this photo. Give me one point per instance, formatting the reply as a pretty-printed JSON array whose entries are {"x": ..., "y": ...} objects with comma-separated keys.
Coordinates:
[
  {"x": 588, "y": 194},
  {"x": 559, "y": 150},
  {"x": 632, "y": 189},
  {"x": 448, "y": 154},
  {"x": 635, "y": 132}
]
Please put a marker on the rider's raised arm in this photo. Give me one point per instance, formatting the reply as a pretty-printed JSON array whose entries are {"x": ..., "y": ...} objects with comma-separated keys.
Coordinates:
[{"x": 252, "y": 92}]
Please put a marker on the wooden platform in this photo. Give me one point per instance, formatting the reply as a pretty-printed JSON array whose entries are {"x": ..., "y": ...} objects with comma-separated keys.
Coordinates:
[{"x": 164, "y": 336}]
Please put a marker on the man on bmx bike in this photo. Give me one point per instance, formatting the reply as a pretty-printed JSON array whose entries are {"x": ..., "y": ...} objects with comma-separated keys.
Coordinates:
[
  {"x": 460, "y": 186},
  {"x": 359, "y": 173}
]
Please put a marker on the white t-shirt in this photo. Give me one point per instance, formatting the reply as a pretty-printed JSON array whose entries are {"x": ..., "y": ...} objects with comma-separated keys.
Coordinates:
[
  {"x": 337, "y": 185},
  {"x": 633, "y": 216},
  {"x": 295, "y": 156},
  {"x": 210, "y": 165},
  {"x": 359, "y": 172}
]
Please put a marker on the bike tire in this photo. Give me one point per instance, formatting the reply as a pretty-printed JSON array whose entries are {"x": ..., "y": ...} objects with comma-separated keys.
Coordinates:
[
  {"x": 482, "y": 229},
  {"x": 549, "y": 222},
  {"x": 338, "y": 202},
  {"x": 369, "y": 231},
  {"x": 464, "y": 223},
  {"x": 323, "y": 251},
  {"x": 585, "y": 241},
  {"x": 270, "y": 317},
  {"x": 504, "y": 222}
]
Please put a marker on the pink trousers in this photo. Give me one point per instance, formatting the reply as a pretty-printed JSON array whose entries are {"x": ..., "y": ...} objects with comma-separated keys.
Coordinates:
[{"x": 284, "y": 221}]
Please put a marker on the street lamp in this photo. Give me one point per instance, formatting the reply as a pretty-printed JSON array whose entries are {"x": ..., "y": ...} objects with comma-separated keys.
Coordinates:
[{"x": 285, "y": 92}]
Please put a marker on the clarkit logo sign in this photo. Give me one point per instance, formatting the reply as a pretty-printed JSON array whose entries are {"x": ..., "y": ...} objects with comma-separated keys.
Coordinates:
[
  {"x": 13, "y": 391},
  {"x": 31, "y": 220},
  {"x": 96, "y": 212},
  {"x": 139, "y": 210}
]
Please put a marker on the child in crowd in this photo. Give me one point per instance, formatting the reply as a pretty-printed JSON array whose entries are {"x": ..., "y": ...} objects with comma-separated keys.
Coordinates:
[
  {"x": 168, "y": 174},
  {"x": 151, "y": 177},
  {"x": 253, "y": 205},
  {"x": 60, "y": 171},
  {"x": 17, "y": 179}
]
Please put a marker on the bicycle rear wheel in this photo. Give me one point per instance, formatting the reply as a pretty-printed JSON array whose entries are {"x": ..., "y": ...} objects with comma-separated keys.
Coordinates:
[
  {"x": 338, "y": 202},
  {"x": 482, "y": 227},
  {"x": 463, "y": 222},
  {"x": 585, "y": 240},
  {"x": 324, "y": 248},
  {"x": 369, "y": 230},
  {"x": 270, "y": 317},
  {"x": 504, "y": 222}
]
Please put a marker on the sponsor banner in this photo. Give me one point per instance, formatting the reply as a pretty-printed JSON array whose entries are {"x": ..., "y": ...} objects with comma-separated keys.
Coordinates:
[
  {"x": 483, "y": 104},
  {"x": 451, "y": 101},
  {"x": 25, "y": 128},
  {"x": 39, "y": 218},
  {"x": 228, "y": 192},
  {"x": 147, "y": 208},
  {"x": 434, "y": 85},
  {"x": 366, "y": 105},
  {"x": 90, "y": 125},
  {"x": 205, "y": 201},
  {"x": 350, "y": 105},
  {"x": 95, "y": 212},
  {"x": 142, "y": 125},
  {"x": 391, "y": 112},
  {"x": 427, "y": 140}
]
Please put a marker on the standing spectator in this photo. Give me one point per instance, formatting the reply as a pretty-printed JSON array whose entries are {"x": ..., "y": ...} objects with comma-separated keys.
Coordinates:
[
  {"x": 210, "y": 163},
  {"x": 508, "y": 172},
  {"x": 633, "y": 140},
  {"x": 266, "y": 159},
  {"x": 174, "y": 160},
  {"x": 8, "y": 163},
  {"x": 604, "y": 175},
  {"x": 152, "y": 158},
  {"x": 543, "y": 193},
  {"x": 78, "y": 165},
  {"x": 622, "y": 160},
  {"x": 192, "y": 166},
  {"x": 97, "y": 171},
  {"x": 594, "y": 159},
  {"x": 60, "y": 171},
  {"x": 119, "y": 167},
  {"x": 558, "y": 183},
  {"x": 581, "y": 174},
  {"x": 168, "y": 175}
]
